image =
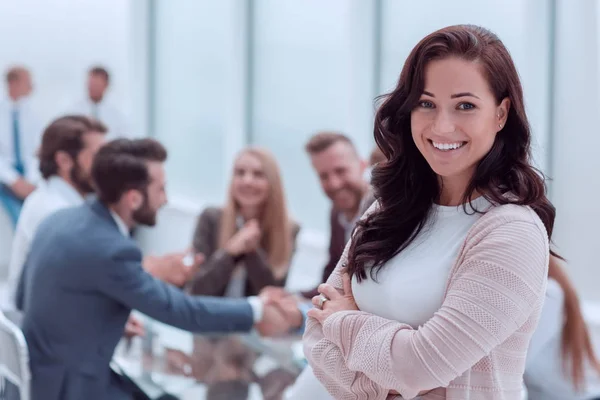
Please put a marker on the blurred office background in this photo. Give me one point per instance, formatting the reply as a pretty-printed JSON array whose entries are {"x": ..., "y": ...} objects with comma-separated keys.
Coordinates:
[{"x": 207, "y": 77}]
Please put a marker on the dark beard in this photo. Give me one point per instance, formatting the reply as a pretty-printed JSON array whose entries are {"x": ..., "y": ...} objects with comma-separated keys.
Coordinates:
[
  {"x": 144, "y": 215},
  {"x": 81, "y": 182}
]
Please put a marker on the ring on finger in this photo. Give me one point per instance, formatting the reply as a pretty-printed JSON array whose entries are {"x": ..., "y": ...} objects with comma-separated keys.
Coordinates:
[{"x": 322, "y": 300}]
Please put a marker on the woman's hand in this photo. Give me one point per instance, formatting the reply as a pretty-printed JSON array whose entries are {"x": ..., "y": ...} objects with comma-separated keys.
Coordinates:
[
  {"x": 335, "y": 301},
  {"x": 245, "y": 240}
]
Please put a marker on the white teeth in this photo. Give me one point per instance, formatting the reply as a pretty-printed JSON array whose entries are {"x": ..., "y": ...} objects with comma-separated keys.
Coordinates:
[{"x": 447, "y": 146}]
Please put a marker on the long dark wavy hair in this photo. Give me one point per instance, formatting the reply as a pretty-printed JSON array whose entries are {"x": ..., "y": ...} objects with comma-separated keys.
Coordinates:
[{"x": 406, "y": 186}]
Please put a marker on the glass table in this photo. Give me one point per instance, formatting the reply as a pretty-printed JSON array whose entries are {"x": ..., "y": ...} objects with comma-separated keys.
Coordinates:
[{"x": 197, "y": 367}]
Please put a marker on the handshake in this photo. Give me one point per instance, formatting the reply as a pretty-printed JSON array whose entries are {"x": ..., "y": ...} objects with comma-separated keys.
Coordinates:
[{"x": 281, "y": 312}]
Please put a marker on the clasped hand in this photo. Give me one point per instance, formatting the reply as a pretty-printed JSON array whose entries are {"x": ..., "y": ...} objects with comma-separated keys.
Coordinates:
[
  {"x": 281, "y": 314},
  {"x": 335, "y": 300}
]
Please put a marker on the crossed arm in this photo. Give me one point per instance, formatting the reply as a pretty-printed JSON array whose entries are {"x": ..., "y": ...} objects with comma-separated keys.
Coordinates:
[{"x": 357, "y": 355}]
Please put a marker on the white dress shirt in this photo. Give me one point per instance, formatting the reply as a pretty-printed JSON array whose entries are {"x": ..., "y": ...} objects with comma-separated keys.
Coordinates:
[
  {"x": 106, "y": 113},
  {"x": 30, "y": 133},
  {"x": 120, "y": 224},
  {"x": 51, "y": 195}
]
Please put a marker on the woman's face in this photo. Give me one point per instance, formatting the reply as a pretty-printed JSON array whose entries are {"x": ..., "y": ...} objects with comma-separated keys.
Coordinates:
[
  {"x": 457, "y": 119},
  {"x": 250, "y": 185}
]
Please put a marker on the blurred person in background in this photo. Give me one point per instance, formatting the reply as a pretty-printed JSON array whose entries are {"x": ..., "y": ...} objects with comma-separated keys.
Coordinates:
[
  {"x": 249, "y": 243},
  {"x": 376, "y": 157},
  {"x": 20, "y": 133},
  {"x": 67, "y": 150},
  {"x": 98, "y": 107},
  {"x": 84, "y": 275},
  {"x": 341, "y": 173},
  {"x": 562, "y": 363}
]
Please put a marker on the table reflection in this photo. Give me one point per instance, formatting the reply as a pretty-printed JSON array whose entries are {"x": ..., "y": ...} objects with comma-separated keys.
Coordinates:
[{"x": 227, "y": 367}]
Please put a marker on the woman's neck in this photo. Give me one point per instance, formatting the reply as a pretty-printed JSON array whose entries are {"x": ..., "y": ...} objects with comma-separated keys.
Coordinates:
[{"x": 453, "y": 191}]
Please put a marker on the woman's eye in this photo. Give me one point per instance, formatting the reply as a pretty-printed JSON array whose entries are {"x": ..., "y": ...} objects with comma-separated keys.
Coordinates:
[
  {"x": 466, "y": 106},
  {"x": 426, "y": 104}
]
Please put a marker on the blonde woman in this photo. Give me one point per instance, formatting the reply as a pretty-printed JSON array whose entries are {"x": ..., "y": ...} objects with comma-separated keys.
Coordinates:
[{"x": 249, "y": 243}]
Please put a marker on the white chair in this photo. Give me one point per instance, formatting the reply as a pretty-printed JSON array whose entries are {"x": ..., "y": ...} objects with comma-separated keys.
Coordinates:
[
  {"x": 6, "y": 239},
  {"x": 14, "y": 357}
]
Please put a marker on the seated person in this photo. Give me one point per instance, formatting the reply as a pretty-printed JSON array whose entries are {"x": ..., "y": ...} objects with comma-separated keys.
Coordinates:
[
  {"x": 561, "y": 361},
  {"x": 249, "y": 243},
  {"x": 67, "y": 149},
  {"x": 84, "y": 275},
  {"x": 19, "y": 137},
  {"x": 341, "y": 173}
]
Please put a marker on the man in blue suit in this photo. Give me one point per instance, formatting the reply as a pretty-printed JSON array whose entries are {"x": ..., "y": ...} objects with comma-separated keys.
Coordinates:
[{"x": 84, "y": 275}]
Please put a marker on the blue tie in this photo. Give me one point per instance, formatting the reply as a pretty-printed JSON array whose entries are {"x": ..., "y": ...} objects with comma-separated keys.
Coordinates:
[{"x": 17, "y": 143}]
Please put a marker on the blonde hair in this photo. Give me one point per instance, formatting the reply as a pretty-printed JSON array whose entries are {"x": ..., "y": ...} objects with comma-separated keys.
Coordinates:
[{"x": 274, "y": 221}]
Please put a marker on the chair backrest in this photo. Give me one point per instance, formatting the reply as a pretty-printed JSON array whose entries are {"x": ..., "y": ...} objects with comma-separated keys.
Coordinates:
[
  {"x": 14, "y": 357},
  {"x": 6, "y": 239}
]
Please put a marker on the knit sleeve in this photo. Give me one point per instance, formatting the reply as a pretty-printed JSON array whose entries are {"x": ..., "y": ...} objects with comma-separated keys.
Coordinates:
[
  {"x": 327, "y": 360},
  {"x": 495, "y": 288}
]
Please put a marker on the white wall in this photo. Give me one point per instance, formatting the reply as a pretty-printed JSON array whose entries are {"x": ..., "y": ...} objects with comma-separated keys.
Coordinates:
[
  {"x": 60, "y": 39},
  {"x": 576, "y": 164},
  {"x": 313, "y": 69},
  {"x": 200, "y": 89}
]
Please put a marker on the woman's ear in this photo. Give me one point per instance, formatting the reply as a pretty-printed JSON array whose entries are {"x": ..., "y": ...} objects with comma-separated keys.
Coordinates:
[{"x": 502, "y": 113}]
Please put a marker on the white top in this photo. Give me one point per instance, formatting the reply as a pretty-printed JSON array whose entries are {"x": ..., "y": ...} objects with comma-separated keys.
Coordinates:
[
  {"x": 51, "y": 196},
  {"x": 108, "y": 114},
  {"x": 411, "y": 286},
  {"x": 30, "y": 134},
  {"x": 544, "y": 377}
]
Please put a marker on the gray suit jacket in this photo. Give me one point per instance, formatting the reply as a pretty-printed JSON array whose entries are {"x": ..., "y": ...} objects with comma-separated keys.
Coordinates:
[{"x": 81, "y": 280}]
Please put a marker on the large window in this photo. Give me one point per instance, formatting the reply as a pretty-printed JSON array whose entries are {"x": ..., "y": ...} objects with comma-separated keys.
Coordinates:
[
  {"x": 273, "y": 72},
  {"x": 191, "y": 104},
  {"x": 307, "y": 77}
]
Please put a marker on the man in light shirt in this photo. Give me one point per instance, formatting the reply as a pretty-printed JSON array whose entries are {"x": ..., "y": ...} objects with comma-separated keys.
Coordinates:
[
  {"x": 20, "y": 132},
  {"x": 68, "y": 147},
  {"x": 97, "y": 106}
]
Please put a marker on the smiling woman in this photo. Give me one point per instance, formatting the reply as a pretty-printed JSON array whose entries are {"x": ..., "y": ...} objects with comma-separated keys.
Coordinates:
[
  {"x": 448, "y": 268},
  {"x": 454, "y": 128},
  {"x": 249, "y": 243}
]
